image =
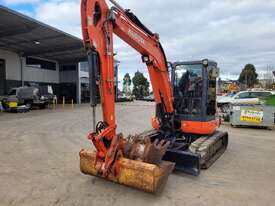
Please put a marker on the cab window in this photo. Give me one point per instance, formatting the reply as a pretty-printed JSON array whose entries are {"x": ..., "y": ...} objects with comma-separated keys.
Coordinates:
[
  {"x": 188, "y": 89},
  {"x": 212, "y": 92},
  {"x": 188, "y": 78}
]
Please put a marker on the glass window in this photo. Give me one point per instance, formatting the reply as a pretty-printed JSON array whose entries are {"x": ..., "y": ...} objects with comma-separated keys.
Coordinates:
[
  {"x": 265, "y": 94},
  {"x": 212, "y": 92},
  {"x": 260, "y": 94},
  {"x": 26, "y": 92},
  {"x": 254, "y": 94},
  {"x": 12, "y": 92},
  {"x": 188, "y": 79},
  {"x": 71, "y": 67},
  {"x": 188, "y": 89},
  {"x": 41, "y": 64},
  {"x": 84, "y": 67},
  {"x": 230, "y": 94},
  {"x": 243, "y": 95}
]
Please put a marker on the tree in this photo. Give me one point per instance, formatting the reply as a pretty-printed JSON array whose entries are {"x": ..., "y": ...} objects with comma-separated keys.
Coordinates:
[
  {"x": 268, "y": 77},
  {"x": 141, "y": 85},
  {"x": 248, "y": 76},
  {"x": 126, "y": 84}
]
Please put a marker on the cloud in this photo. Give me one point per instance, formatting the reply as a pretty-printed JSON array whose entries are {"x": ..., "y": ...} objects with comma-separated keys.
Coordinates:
[
  {"x": 231, "y": 32},
  {"x": 64, "y": 15},
  {"x": 11, "y": 2}
]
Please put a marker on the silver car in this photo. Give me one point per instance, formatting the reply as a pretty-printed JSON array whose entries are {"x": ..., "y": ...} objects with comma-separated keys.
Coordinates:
[{"x": 243, "y": 97}]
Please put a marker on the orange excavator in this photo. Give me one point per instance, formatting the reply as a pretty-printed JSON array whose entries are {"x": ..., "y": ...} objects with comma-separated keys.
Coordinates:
[{"x": 184, "y": 135}]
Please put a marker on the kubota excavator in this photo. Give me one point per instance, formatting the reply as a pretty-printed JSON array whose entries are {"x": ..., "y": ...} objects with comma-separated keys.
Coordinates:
[{"x": 184, "y": 134}]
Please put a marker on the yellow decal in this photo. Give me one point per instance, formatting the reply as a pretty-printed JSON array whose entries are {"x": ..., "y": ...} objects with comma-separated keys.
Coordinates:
[
  {"x": 252, "y": 115},
  {"x": 12, "y": 104}
]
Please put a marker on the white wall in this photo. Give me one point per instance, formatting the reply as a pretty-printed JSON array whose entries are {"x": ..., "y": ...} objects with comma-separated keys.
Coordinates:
[
  {"x": 41, "y": 75},
  {"x": 12, "y": 64},
  {"x": 13, "y": 69}
]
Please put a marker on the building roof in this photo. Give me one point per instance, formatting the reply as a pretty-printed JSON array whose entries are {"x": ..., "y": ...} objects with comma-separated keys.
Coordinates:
[{"x": 29, "y": 37}]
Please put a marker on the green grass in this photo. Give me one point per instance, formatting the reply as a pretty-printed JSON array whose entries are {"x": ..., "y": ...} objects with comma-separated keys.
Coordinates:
[{"x": 270, "y": 101}]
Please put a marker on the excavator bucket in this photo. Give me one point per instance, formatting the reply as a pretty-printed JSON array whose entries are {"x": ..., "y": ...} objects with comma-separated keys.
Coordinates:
[{"x": 137, "y": 174}]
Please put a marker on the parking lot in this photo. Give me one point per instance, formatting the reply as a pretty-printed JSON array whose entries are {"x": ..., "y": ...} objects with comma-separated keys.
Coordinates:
[{"x": 39, "y": 163}]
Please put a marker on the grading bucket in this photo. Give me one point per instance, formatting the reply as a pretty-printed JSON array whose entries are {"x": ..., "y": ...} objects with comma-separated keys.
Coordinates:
[{"x": 143, "y": 176}]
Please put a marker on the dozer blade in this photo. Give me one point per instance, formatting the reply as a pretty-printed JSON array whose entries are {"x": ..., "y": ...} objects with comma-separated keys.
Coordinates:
[
  {"x": 201, "y": 154},
  {"x": 144, "y": 176},
  {"x": 186, "y": 161}
]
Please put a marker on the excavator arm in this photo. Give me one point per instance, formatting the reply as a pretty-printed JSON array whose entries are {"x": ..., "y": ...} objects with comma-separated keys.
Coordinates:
[{"x": 99, "y": 23}]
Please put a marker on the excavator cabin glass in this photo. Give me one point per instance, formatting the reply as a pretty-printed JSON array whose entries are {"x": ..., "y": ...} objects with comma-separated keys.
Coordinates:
[
  {"x": 188, "y": 89},
  {"x": 194, "y": 87}
]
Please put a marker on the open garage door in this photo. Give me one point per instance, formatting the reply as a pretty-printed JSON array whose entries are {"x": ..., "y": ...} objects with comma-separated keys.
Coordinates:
[{"x": 2, "y": 77}]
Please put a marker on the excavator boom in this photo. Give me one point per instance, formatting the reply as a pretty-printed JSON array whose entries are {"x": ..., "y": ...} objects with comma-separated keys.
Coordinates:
[
  {"x": 115, "y": 157},
  {"x": 98, "y": 25}
]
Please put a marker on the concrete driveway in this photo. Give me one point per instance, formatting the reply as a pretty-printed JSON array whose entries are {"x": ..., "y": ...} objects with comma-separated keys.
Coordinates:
[{"x": 39, "y": 164}]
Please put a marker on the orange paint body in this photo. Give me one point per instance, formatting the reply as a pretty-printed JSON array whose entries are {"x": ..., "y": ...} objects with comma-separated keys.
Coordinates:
[
  {"x": 193, "y": 127},
  {"x": 202, "y": 128},
  {"x": 155, "y": 123}
]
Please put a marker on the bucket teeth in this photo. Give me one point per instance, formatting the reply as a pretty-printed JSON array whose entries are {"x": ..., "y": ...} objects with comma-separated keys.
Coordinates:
[
  {"x": 155, "y": 151},
  {"x": 141, "y": 148}
]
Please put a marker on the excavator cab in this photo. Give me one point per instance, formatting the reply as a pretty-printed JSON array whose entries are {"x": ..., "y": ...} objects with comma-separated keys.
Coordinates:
[
  {"x": 194, "y": 88},
  {"x": 198, "y": 143}
]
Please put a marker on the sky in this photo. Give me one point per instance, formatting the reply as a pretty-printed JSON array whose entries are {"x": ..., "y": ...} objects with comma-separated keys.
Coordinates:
[{"x": 231, "y": 32}]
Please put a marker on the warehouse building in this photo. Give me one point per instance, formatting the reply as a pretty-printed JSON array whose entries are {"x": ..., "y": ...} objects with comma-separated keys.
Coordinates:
[{"x": 32, "y": 52}]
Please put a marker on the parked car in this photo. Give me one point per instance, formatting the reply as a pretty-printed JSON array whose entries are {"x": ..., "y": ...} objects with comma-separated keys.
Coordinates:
[
  {"x": 28, "y": 96},
  {"x": 243, "y": 97},
  {"x": 225, "y": 98},
  {"x": 124, "y": 98},
  {"x": 149, "y": 98}
]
